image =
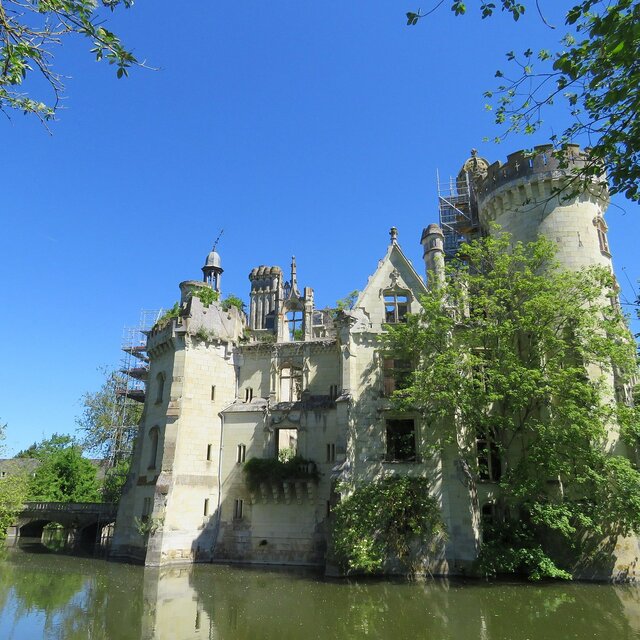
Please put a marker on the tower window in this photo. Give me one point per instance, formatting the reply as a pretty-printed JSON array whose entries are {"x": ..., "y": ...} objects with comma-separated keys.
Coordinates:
[
  {"x": 401, "y": 441},
  {"x": 241, "y": 453},
  {"x": 333, "y": 392},
  {"x": 160, "y": 378},
  {"x": 209, "y": 451},
  {"x": 601, "y": 228},
  {"x": 396, "y": 307},
  {"x": 154, "y": 436},
  {"x": 206, "y": 507},
  {"x": 213, "y": 392},
  {"x": 238, "y": 509},
  {"x": 248, "y": 394}
]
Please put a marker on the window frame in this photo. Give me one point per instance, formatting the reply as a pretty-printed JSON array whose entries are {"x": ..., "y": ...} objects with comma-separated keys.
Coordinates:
[
  {"x": 394, "y": 447},
  {"x": 396, "y": 310}
]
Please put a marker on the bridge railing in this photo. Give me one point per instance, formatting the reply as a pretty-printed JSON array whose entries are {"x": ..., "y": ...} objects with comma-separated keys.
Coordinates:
[{"x": 98, "y": 508}]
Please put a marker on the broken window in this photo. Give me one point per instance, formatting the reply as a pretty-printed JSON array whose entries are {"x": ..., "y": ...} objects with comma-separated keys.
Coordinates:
[
  {"x": 401, "y": 441},
  {"x": 489, "y": 465},
  {"x": 396, "y": 307},
  {"x": 489, "y": 520},
  {"x": 396, "y": 375},
  {"x": 286, "y": 444},
  {"x": 290, "y": 384},
  {"x": 295, "y": 325}
]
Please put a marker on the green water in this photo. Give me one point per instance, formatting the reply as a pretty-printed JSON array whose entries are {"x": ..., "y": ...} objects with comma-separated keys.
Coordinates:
[{"x": 44, "y": 595}]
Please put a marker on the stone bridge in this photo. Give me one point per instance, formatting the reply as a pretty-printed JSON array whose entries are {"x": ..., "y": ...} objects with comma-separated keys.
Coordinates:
[{"x": 83, "y": 522}]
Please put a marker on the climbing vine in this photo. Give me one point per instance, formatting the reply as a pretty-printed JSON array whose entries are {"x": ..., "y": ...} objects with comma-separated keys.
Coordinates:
[{"x": 381, "y": 521}]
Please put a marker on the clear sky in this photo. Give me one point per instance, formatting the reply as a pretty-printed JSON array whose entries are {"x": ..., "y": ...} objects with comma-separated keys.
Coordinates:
[{"x": 297, "y": 127}]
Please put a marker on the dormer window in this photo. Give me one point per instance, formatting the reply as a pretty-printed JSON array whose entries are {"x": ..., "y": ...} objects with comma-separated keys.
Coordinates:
[{"x": 396, "y": 307}]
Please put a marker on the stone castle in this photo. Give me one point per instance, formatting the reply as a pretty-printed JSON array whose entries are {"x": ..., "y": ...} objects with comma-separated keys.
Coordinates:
[{"x": 224, "y": 387}]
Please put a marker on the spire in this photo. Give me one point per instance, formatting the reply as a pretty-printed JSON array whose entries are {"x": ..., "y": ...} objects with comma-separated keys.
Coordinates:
[
  {"x": 294, "y": 278},
  {"x": 393, "y": 234}
]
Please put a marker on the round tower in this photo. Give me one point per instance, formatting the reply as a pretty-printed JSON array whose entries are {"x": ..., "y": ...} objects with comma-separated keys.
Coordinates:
[
  {"x": 529, "y": 196},
  {"x": 432, "y": 242}
]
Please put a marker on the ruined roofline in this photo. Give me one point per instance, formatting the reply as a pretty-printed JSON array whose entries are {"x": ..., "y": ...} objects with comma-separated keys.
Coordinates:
[{"x": 541, "y": 163}]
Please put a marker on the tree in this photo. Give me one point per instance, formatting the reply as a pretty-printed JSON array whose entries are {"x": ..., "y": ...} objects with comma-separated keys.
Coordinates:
[
  {"x": 12, "y": 493},
  {"x": 45, "y": 448},
  {"x": 513, "y": 362},
  {"x": 109, "y": 421},
  {"x": 595, "y": 72},
  {"x": 65, "y": 476},
  {"x": 30, "y": 31}
]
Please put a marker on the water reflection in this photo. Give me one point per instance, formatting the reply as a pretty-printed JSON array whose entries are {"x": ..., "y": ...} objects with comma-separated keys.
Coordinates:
[{"x": 51, "y": 596}]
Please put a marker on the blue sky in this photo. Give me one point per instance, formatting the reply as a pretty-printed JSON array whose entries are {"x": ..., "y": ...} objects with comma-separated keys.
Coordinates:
[{"x": 298, "y": 128}]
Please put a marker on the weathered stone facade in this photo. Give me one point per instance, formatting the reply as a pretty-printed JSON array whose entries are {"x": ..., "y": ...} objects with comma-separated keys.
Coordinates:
[{"x": 224, "y": 388}]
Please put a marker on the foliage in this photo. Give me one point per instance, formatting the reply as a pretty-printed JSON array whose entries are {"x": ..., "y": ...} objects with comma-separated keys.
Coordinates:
[
  {"x": 45, "y": 448},
  {"x": 13, "y": 492},
  {"x": 259, "y": 470},
  {"x": 114, "y": 481},
  {"x": 232, "y": 301},
  {"x": 594, "y": 73},
  {"x": 203, "y": 334},
  {"x": 286, "y": 454},
  {"x": 64, "y": 476},
  {"x": 148, "y": 525},
  {"x": 507, "y": 364},
  {"x": 346, "y": 303},
  {"x": 380, "y": 521},
  {"x": 167, "y": 317},
  {"x": 30, "y": 31},
  {"x": 109, "y": 421},
  {"x": 206, "y": 295}
]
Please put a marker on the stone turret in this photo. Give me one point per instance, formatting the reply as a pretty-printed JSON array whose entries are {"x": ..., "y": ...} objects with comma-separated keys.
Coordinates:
[
  {"x": 266, "y": 297},
  {"x": 212, "y": 270},
  {"x": 432, "y": 242},
  {"x": 529, "y": 196}
]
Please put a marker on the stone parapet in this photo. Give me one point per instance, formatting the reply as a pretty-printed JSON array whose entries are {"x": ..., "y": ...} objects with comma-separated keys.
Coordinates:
[{"x": 541, "y": 164}]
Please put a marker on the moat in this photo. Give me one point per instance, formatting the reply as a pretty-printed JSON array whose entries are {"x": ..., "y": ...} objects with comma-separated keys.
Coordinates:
[{"x": 45, "y": 595}]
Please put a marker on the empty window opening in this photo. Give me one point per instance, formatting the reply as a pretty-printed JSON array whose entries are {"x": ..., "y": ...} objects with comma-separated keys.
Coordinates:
[
  {"x": 248, "y": 394},
  {"x": 213, "y": 392},
  {"x": 489, "y": 466},
  {"x": 333, "y": 392},
  {"x": 241, "y": 453},
  {"x": 160, "y": 378},
  {"x": 238, "y": 509},
  {"x": 396, "y": 307},
  {"x": 331, "y": 452},
  {"x": 295, "y": 325},
  {"x": 286, "y": 443},
  {"x": 205, "y": 511},
  {"x": 290, "y": 384},
  {"x": 401, "y": 441},
  {"x": 489, "y": 520},
  {"x": 209, "y": 451},
  {"x": 146, "y": 509},
  {"x": 3, "y": 474},
  {"x": 396, "y": 375},
  {"x": 154, "y": 437}
]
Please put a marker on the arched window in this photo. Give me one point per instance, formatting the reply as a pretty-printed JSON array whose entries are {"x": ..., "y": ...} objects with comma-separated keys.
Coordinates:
[
  {"x": 160, "y": 378},
  {"x": 154, "y": 438},
  {"x": 396, "y": 306}
]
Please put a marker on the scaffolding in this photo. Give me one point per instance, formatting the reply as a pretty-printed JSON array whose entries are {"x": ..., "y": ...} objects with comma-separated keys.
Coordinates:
[
  {"x": 130, "y": 385},
  {"x": 458, "y": 212}
]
